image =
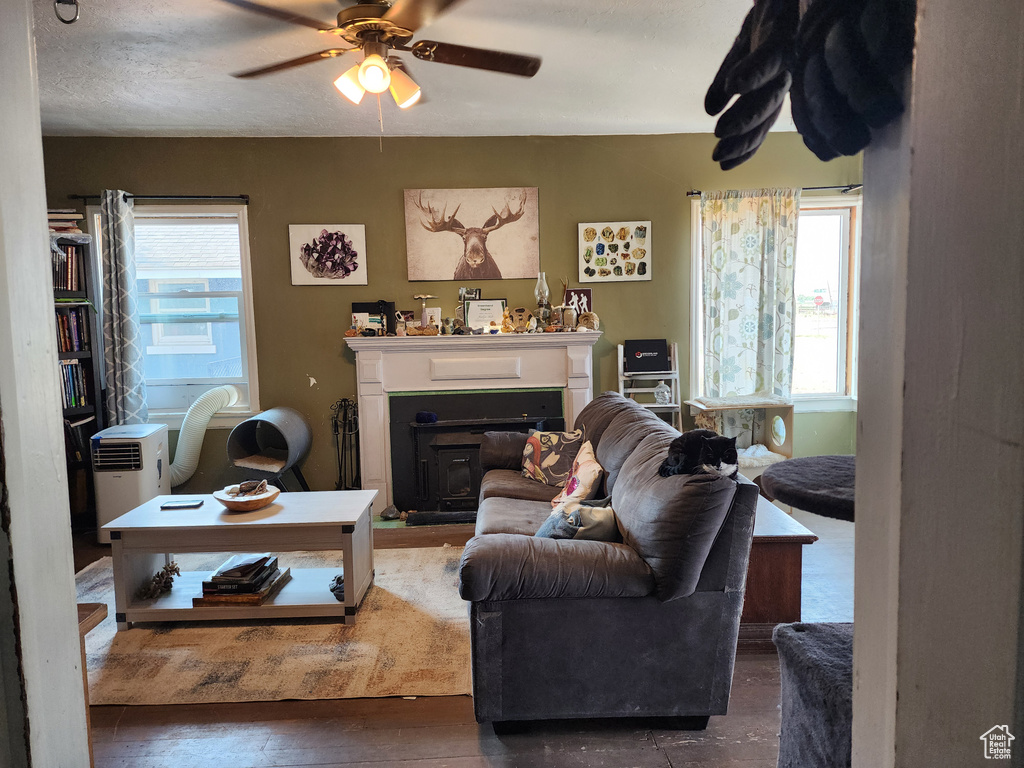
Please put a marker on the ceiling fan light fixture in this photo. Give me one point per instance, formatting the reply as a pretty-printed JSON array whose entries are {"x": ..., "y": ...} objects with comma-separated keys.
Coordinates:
[
  {"x": 403, "y": 89},
  {"x": 348, "y": 85},
  {"x": 374, "y": 74}
]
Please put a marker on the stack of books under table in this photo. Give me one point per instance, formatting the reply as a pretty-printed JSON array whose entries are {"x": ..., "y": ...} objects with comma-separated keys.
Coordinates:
[{"x": 248, "y": 579}]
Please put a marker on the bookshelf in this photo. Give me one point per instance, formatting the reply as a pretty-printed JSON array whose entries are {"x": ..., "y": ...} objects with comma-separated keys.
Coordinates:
[
  {"x": 79, "y": 353},
  {"x": 644, "y": 382}
]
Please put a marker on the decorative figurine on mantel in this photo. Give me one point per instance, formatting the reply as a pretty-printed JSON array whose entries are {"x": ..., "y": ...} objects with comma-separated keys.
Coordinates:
[
  {"x": 588, "y": 321},
  {"x": 521, "y": 319},
  {"x": 424, "y": 318}
]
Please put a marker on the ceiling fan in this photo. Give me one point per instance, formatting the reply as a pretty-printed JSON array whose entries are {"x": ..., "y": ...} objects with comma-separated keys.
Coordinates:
[{"x": 376, "y": 28}]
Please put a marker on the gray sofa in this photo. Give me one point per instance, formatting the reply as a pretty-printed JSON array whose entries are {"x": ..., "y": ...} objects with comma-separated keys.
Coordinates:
[{"x": 585, "y": 629}]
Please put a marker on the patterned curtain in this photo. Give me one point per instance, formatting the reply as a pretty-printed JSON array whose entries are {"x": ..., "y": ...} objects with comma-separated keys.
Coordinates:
[
  {"x": 122, "y": 334},
  {"x": 748, "y": 256}
]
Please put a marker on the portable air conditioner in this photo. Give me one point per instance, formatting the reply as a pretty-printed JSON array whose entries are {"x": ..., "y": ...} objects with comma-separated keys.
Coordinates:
[{"x": 129, "y": 467}]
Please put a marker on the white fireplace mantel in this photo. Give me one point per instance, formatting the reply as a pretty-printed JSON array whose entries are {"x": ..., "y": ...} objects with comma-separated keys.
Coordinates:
[{"x": 387, "y": 364}]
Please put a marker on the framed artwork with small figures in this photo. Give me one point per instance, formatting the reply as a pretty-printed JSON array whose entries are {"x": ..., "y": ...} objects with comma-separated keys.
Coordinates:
[{"x": 579, "y": 299}]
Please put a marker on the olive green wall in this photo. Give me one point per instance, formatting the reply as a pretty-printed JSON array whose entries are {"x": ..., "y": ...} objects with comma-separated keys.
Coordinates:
[
  {"x": 817, "y": 434},
  {"x": 350, "y": 180}
]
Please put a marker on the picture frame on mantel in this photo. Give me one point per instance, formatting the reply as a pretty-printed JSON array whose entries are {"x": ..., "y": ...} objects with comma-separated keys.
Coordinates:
[
  {"x": 480, "y": 313},
  {"x": 614, "y": 251},
  {"x": 327, "y": 254},
  {"x": 579, "y": 299}
]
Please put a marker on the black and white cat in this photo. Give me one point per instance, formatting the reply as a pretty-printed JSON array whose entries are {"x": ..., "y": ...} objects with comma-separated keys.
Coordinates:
[{"x": 701, "y": 450}]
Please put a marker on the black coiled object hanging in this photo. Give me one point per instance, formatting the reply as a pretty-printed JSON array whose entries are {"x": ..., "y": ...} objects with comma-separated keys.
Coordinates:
[{"x": 843, "y": 63}]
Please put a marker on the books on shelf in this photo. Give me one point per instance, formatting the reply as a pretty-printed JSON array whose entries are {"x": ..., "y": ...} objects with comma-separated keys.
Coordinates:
[
  {"x": 79, "y": 346},
  {"x": 67, "y": 258},
  {"x": 76, "y": 438},
  {"x": 73, "y": 328},
  {"x": 254, "y": 580},
  {"x": 273, "y": 584},
  {"x": 242, "y": 568},
  {"x": 74, "y": 390},
  {"x": 63, "y": 219}
]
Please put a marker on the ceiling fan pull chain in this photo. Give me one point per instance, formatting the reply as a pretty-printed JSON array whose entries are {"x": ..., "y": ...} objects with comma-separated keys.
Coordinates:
[{"x": 380, "y": 117}]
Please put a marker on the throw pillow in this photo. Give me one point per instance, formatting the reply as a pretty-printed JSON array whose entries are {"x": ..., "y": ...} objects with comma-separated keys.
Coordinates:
[
  {"x": 573, "y": 520},
  {"x": 548, "y": 456},
  {"x": 585, "y": 479}
]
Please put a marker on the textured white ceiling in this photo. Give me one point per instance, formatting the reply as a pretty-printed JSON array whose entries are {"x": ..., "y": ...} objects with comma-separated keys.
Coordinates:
[{"x": 162, "y": 68}]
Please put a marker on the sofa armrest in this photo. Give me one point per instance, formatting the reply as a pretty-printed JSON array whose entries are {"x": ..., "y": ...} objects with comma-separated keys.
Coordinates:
[
  {"x": 502, "y": 450},
  {"x": 510, "y": 566},
  {"x": 727, "y": 562}
]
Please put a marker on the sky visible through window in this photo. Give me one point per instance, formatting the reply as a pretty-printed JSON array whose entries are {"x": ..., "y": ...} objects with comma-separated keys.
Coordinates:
[
  {"x": 818, "y": 287},
  {"x": 178, "y": 249}
]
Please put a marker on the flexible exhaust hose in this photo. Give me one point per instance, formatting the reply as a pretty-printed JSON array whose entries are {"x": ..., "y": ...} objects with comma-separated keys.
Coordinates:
[{"x": 193, "y": 429}]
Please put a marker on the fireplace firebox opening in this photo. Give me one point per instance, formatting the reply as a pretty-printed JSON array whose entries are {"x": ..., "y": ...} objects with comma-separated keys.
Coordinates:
[{"x": 435, "y": 465}]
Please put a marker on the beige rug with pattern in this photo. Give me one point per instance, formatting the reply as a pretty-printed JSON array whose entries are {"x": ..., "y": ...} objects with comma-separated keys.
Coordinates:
[{"x": 411, "y": 638}]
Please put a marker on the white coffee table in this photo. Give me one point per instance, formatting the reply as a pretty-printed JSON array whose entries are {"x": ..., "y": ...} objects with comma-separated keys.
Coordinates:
[{"x": 316, "y": 520}]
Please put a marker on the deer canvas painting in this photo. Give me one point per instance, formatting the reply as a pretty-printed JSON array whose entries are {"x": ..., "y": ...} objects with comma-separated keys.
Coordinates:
[{"x": 472, "y": 234}]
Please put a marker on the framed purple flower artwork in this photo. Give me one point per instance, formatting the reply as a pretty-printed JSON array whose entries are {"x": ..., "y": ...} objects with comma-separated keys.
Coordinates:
[{"x": 327, "y": 254}]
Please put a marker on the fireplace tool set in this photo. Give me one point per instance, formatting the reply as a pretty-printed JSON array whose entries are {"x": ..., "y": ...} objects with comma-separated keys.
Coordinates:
[{"x": 345, "y": 425}]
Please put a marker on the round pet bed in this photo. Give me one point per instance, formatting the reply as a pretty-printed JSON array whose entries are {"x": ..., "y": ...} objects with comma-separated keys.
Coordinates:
[{"x": 819, "y": 484}]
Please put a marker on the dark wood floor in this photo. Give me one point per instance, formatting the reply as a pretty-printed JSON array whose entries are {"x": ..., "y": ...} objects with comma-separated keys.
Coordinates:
[
  {"x": 429, "y": 733},
  {"x": 432, "y": 732}
]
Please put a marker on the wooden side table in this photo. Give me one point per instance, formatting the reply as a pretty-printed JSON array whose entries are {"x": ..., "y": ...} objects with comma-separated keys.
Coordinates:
[
  {"x": 89, "y": 616},
  {"x": 774, "y": 576}
]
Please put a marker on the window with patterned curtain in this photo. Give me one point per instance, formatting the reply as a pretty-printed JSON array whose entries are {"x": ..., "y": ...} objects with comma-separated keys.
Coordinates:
[
  {"x": 122, "y": 335},
  {"x": 748, "y": 257}
]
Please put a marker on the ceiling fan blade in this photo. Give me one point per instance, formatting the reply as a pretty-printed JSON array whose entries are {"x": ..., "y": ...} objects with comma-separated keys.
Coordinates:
[
  {"x": 330, "y": 53},
  {"x": 413, "y": 14},
  {"x": 281, "y": 15},
  {"x": 477, "y": 58}
]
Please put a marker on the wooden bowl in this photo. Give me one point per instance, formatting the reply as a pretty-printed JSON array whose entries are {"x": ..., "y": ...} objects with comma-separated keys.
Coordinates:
[{"x": 247, "y": 503}]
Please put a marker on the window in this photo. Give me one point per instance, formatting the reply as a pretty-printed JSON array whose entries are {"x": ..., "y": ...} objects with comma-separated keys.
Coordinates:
[
  {"x": 824, "y": 342},
  {"x": 179, "y": 337},
  {"x": 825, "y": 287},
  {"x": 195, "y": 307}
]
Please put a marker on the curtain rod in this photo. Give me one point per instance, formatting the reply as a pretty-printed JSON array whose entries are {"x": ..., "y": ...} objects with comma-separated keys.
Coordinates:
[
  {"x": 127, "y": 197},
  {"x": 843, "y": 188}
]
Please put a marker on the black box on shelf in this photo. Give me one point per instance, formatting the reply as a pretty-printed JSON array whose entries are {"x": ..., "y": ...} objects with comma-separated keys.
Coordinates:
[
  {"x": 385, "y": 308},
  {"x": 643, "y": 355}
]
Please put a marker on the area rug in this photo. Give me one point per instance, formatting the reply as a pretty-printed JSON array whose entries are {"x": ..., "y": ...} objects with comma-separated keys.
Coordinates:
[{"x": 411, "y": 638}]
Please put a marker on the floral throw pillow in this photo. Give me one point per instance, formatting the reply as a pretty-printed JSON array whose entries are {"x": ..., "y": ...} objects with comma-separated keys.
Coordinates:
[
  {"x": 584, "y": 480},
  {"x": 548, "y": 456}
]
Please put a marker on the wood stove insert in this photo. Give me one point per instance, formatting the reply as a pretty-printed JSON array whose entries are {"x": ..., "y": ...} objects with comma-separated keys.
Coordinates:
[
  {"x": 448, "y": 466},
  {"x": 436, "y": 477}
]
